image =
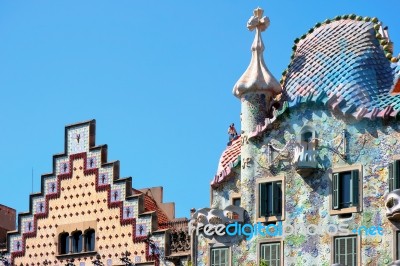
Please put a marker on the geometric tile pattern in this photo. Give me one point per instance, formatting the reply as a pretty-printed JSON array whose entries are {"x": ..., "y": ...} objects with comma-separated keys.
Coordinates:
[
  {"x": 78, "y": 139},
  {"x": 342, "y": 64},
  {"x": 94, "y": 175}
]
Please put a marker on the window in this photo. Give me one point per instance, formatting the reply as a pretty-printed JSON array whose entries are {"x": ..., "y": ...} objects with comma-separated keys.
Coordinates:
[
  {"x": 306, "y": 139},
  {"x": 77, "y": 242},
  {"x": 398, "y": 245},
  {"x": 64, "y": 243},
  {"x": 219, "y": 257},
  {"x": 89, "y": 240},
  {"x": 345, "y": 189},
  {"x": 346, "y": 250},
  {"x": 394, "y": 175},
  {"x": 270, "y": 197},
  {"x": 236, "y": 202},
  {"x": 271, "y": 253}
]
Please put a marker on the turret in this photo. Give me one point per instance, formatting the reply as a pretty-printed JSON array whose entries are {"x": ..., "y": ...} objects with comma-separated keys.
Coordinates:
[{"x": 257, "y": 87}]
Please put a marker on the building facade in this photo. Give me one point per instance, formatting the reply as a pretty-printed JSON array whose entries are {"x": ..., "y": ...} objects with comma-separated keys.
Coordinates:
[
  {"x": 7, "y": 223},
  {"x": 86, "y": 214},
  {"x": 314, "y": 176}
]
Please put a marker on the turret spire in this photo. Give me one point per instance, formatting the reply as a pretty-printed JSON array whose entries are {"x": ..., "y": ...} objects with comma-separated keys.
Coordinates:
[{"x": 257, "y": 77}]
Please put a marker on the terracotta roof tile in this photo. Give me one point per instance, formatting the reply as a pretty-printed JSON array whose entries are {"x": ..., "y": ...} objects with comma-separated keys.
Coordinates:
[
  {"x": 229, "y": 159},
  {"x": 151, "y": 205}
]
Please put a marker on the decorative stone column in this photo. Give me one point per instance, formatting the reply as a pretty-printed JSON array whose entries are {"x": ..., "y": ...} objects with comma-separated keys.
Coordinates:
[
  {"x": 84, "y": 247},
  {"x": 71, "y": 239},
  {"x": 256, "y": 89}
]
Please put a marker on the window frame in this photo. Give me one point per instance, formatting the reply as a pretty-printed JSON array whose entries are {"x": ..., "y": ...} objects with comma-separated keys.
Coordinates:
[
  {"x": 272, "y": 218},
  {"x": 234, "y": 196},
  {"x": 357, "y": 249},
  {"x": 394, "y": 174},
  {"x": 87, "y": 240},
  {"x": 277, "y": 240},
  {"x": 65, "y": 244},
  {"x": 396, "y": 244},
  {"x": 313, "y": 144},
  {"x": 220, "y": 247},
  {"x": 332, "y": 198},
  {"x": 75, "y": 241}
]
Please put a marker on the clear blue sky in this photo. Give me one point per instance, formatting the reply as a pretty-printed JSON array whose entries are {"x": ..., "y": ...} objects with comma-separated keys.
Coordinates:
[{"x": 156, "y": 75}]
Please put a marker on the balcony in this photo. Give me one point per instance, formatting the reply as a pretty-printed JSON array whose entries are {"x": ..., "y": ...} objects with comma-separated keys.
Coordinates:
[
  {"x": 392, "y": 204},
  {"x": 305, "y": 160}
]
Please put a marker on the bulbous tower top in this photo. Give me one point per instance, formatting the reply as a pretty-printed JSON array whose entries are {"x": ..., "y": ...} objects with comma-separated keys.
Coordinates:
[{"x": 257, "y": 77}]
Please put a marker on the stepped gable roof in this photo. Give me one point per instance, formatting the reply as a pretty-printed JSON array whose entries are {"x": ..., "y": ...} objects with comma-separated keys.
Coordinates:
[
  {"x": 230, "y": 158},
  {"x": 346, "y": 64}
]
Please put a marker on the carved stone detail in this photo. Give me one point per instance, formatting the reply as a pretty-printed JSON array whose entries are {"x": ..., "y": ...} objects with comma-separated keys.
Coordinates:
[{"x": 179, "y": 241}]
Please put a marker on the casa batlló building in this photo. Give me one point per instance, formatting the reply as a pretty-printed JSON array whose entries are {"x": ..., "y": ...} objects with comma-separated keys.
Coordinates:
[
  {"x": 316, "y": 165},
  {"x": 86, "y": 214}
]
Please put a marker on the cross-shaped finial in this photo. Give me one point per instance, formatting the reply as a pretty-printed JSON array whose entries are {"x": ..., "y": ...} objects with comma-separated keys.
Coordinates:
[{"x": 258, "y": 21}]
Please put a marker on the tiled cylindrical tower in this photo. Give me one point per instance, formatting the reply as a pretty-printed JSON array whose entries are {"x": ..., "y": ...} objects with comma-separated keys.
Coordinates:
[{"x": 256, "y": 89}]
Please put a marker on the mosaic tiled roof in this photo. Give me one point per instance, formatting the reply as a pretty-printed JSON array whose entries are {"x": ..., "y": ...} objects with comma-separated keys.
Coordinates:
[
  {"x": 230, "y": 158},
  {"x": 346, "y": 64}
]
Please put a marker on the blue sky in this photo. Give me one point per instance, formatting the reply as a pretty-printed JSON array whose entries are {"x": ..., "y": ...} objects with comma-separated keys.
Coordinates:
[{"x": 156, "y": 75}]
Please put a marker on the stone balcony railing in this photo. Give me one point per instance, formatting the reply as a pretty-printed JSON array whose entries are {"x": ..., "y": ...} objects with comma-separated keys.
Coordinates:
[{"x": 305, "y": 160}]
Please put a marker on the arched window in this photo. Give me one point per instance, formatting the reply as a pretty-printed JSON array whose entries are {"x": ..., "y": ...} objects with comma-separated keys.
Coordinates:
[
  {"x": 77, "y": 242},
  {"x": 308, "y": 138},
  {"x": 64, "y": 243},
  {"x": 89, "y": 239}
]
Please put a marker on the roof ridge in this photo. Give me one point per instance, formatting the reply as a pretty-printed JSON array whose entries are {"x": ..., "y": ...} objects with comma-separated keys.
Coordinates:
[{"x": 383, "y": 42}]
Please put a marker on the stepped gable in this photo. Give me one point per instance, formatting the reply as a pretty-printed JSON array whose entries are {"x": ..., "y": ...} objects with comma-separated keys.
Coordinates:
[
  {"x": 84, "y": 191},
  {"x": 346, "y": 64}
]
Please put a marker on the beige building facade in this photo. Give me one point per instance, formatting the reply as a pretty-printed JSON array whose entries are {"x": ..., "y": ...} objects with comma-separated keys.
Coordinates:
[{"x": 86, "y": 212}]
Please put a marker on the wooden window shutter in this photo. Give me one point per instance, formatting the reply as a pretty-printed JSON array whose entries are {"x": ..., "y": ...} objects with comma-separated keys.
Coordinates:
[
  {"x": 391, "y": 177},
  {"x": 277, "y": 198},
  {"x": 354, "y": 192},
  {"x": 396, "y": 175},
  {"x": 262, "y": 199},
  {"x": 335, "y": 191}
]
